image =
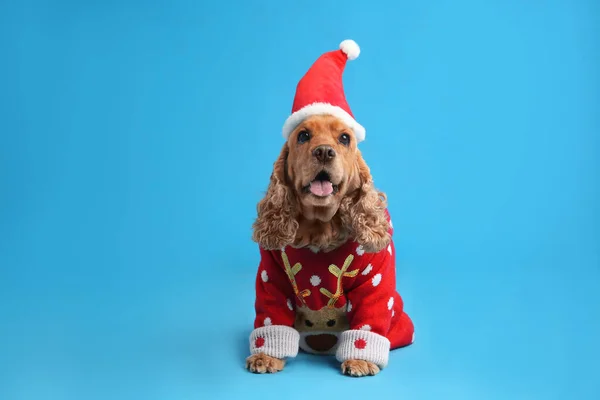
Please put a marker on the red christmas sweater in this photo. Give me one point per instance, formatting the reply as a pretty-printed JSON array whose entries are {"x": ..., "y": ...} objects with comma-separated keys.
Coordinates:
[{"x": 342, "y": 302}]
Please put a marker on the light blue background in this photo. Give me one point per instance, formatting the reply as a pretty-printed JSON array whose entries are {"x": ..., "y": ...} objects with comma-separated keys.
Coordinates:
[{"x": 137, "y": 137}]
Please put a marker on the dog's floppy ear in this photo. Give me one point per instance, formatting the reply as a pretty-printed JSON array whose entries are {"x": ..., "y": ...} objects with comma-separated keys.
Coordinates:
[
  {"x": 364, "y": 210},
  {"x": 276, "y": 224}
]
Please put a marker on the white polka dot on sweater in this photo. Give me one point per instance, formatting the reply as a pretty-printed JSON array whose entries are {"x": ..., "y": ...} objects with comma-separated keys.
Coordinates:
[
  {"x": 264, "y": 276},
  {"x": 315, "y": 280},
  {"x": 367, "y": 270},
  {"x": 349, "y": 306},
  {"x": 393, "y": 313},
  {"x": 289, "y": 304},
  {"x": 390, "y": 249},
  {"x": 390, "y": 303},
  {"x": 391, "y": 225},
  {"x": 360, "y": 251},
  {"x": 365, "y": 328},
  {"x": 376, "y": 280},
  {"x": 268, "y": 321}
]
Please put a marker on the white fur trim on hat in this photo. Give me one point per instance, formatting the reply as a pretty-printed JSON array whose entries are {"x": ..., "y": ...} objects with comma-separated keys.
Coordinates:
[
  {"x": 350, "y": 48},
  {"x": 323, "y": 108}
]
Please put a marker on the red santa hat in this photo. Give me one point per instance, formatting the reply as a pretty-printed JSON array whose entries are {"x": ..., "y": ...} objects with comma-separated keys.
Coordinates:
[{"x": 321, "y": 91}]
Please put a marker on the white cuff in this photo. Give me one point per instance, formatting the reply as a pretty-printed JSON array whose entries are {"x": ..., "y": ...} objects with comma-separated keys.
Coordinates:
[
  {"x": 277, "y": 341},
  {"x": 363, "y": 345}
]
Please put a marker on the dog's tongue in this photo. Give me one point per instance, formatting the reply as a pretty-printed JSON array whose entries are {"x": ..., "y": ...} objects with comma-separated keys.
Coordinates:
[{"x": 321, "y": 188}]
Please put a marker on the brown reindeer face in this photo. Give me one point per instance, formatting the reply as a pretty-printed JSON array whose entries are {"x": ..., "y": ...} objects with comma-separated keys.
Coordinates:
[{"x": 319, "y": 330}]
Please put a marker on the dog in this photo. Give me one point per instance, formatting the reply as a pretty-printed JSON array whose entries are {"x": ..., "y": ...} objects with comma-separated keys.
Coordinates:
[{"x": 326, "y": 282}]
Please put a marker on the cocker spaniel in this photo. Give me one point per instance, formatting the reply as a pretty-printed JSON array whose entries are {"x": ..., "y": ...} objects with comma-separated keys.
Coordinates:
[{"x": 326, "y": 282}]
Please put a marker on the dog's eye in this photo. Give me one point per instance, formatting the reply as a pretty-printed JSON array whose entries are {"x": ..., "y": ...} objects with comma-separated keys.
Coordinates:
[
  {"x": 308, "y": 323},
  {"x": 345, "y": 139},
  {"x": 331, "y": 322},
  {"x": 303, "y": 136}
]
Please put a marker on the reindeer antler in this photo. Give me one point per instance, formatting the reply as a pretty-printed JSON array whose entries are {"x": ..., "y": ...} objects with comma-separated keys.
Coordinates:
[
  {"x": 339, "y": 274},
  {"x": 291, "y": 273}
]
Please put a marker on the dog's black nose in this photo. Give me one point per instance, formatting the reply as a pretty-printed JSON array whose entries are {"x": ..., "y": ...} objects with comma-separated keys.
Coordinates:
[{"x": 324, "y": 153}]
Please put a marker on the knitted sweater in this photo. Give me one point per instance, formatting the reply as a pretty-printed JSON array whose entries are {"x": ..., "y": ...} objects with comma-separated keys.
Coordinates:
[{"x": 342, "y": 302}]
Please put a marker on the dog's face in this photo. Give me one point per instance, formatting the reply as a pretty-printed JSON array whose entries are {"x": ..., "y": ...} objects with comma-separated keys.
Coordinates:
[
  {"x": 322, "y": 162},
  {"x": 321, "y": 192}
]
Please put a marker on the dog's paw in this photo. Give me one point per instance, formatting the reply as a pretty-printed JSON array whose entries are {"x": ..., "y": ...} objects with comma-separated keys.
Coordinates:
[
  {"x": 262, "y": 363},
  {"x": 359, "y": 368}
]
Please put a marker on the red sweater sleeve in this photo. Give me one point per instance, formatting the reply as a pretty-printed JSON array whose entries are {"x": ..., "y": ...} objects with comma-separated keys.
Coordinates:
[
  {"x": 371, "y": 299},
  {"x": 274, "y": 293},
  {"x": 273, "y": 332},
  {"x": 373, "y": 294}
]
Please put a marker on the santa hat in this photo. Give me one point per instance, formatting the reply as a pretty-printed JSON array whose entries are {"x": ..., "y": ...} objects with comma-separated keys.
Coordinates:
[{"x": 321, "y": 91}]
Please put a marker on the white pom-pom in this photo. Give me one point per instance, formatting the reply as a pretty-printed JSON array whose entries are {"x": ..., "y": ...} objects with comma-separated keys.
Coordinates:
[{"x": 350, "y": 48}]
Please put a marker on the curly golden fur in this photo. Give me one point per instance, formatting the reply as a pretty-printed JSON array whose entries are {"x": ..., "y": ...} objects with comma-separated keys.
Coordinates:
[
  {"x": 277, "y": 222},
  {"x": 290, "y": 215}
]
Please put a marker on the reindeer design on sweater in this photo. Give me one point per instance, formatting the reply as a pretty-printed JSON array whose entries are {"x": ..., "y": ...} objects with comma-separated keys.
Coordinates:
[{"x": 319, "y": 329}]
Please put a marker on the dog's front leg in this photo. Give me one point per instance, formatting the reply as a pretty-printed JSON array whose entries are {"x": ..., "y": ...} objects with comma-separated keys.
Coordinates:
[
  {"x": 364, "y": 348},
  {"x": 269, "y": 346},
  {"x": 362, "y": 353},
  {"x": 274, "y": 337}
]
